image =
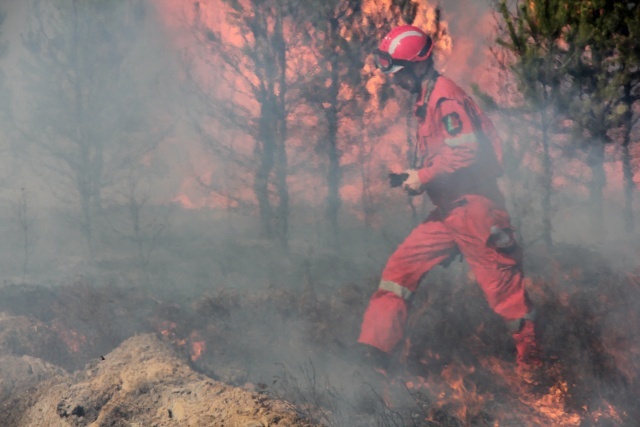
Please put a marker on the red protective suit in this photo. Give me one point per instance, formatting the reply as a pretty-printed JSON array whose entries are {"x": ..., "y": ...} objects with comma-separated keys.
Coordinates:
[{"x": 459, "y": 158}]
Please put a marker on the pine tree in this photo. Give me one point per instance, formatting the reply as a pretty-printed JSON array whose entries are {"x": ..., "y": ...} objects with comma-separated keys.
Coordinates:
[
  {"x": 532, "y": 35},
  {"x": 580, "y": 60},
  {"x": 607, "y": 76}
]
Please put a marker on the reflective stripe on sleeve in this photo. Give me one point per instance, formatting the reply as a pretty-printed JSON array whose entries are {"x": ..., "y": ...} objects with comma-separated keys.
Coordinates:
[
  {"x": 395, "y": 288},
  {"x": 464, "y": 139}
]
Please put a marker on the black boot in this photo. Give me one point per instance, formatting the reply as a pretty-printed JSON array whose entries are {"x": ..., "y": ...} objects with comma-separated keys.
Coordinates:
[{"x": 375, "y": 359}]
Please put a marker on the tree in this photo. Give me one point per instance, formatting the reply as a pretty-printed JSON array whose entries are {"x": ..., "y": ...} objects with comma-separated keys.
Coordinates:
[
  {"x": 506, "y": 102},
  {"x": 86, "y": 120},
  {"x": 339, "y": 42},
  {"x": 343, "y": 34},
  {"x": 582, "y": 61},
  {"x": 254, "y": 47},
  {"x": 531, "y": 36},
  {"x": 604, "y": 73}
]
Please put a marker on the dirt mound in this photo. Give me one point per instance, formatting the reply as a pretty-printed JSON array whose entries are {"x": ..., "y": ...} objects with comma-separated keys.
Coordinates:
[
  {"x": 143, "y": 382},
  {"x": 21, "y": 373}
]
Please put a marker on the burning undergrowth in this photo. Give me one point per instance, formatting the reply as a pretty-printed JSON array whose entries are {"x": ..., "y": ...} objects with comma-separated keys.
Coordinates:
[{"x": 295, "y": 344}]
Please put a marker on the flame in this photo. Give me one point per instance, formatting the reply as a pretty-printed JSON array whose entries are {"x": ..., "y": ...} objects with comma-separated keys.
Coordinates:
[
  {"x": 552, "y": 405},
  {"x": 462, "y": 397},
  {"x": 197, "y": 350},
  {"x": 198, "y": 346},
  {"x": 607, "y": 412},
  {"x": 167, "y": 328},
  {"x": 549, "y": 407}
]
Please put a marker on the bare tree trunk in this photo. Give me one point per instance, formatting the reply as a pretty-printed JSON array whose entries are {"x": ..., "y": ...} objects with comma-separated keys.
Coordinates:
[
  {"x": 272, "y": 131},
  {"x": 333, "y": 183},
  {"x": 547, "y": 183},
  {"x": 628, "y": 185},
  {"x": 281, "y": 132},
  {"x": 596, "y": 186},
  {"x": 333, "y": 174},
  {"x": 627, "y": 171},
  {"x": 265, "y": 152},
  {"x": 511, "y": 163},
  {"x": 282, "y": 216},
  {"x": 365, "y": 176}
]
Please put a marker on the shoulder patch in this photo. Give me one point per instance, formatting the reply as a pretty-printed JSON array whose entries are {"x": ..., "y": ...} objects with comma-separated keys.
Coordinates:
[{"x": 452, "y": 123}]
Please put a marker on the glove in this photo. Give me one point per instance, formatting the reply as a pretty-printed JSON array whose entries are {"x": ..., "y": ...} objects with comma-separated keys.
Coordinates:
[
  {"x": 412, "y": 185},
  {"x": 397, "y": 179}
]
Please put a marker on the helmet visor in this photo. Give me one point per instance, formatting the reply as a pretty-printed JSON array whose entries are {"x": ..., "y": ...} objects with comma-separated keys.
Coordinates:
[{"x": 385, "y": 63}]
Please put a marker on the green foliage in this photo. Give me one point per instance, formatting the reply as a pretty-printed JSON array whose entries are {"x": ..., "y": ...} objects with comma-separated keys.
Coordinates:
[
  {"x": 532, "y": 35},
  {"x": 576, "y": 60},
  {"x": 605, "y": 34},
  {"x": 488, "y": 103},
  {"x": 574, "y": 57},
  {"x": 339, "y": 42}
]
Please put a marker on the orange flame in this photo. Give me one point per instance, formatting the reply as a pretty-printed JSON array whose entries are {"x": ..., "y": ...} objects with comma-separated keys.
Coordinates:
[
  {"x": 608, "y": 412},
  {"x": 462, "y": 396},
  {"x": 167, "y": 328},
  {"x": 197, "y": 349}
]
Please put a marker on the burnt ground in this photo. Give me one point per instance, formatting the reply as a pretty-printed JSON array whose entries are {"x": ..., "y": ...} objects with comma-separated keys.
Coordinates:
[{"x": 115, "y": 354}]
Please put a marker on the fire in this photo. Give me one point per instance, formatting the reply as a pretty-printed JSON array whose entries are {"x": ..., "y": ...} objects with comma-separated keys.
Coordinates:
[
  {"x": 462, "y": 398},
  {"x": 197, "y": 350},
  {"x": 167, "y": 328},
  {"x": 198, "y": 346},
  {"x": 417, "y": 383},
  {"x": 607, "y": 412},
  {"x": 552, "y": 405},
  {"x": 549, "y": 406}
]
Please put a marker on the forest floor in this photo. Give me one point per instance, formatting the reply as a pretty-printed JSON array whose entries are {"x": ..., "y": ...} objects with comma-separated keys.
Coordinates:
[{"x": 118, "y": 354}]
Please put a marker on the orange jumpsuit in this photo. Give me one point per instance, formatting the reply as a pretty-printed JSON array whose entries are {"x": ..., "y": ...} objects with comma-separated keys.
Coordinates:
[{"x": 459, "y": 158}]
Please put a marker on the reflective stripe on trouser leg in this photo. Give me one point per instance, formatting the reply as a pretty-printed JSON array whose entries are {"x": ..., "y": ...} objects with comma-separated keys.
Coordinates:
[{"x": 393, "y": 287}]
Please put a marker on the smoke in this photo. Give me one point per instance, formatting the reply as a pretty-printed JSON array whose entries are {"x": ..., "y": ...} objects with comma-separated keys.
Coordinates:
[
  {"x": 266, "y": 313},
  {"x": 469, "y": 24}
]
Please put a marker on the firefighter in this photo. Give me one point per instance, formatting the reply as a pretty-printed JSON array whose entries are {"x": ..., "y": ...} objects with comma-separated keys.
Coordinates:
[{"x": 457, "y": 162}]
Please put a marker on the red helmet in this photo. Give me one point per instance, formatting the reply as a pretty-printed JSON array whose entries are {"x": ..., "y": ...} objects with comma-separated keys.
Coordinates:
[{"x": 402, "y": 46}]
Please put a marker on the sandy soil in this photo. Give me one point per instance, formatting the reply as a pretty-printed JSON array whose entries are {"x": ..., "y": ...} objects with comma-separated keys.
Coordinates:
[{"x": 143, "y": 382}]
